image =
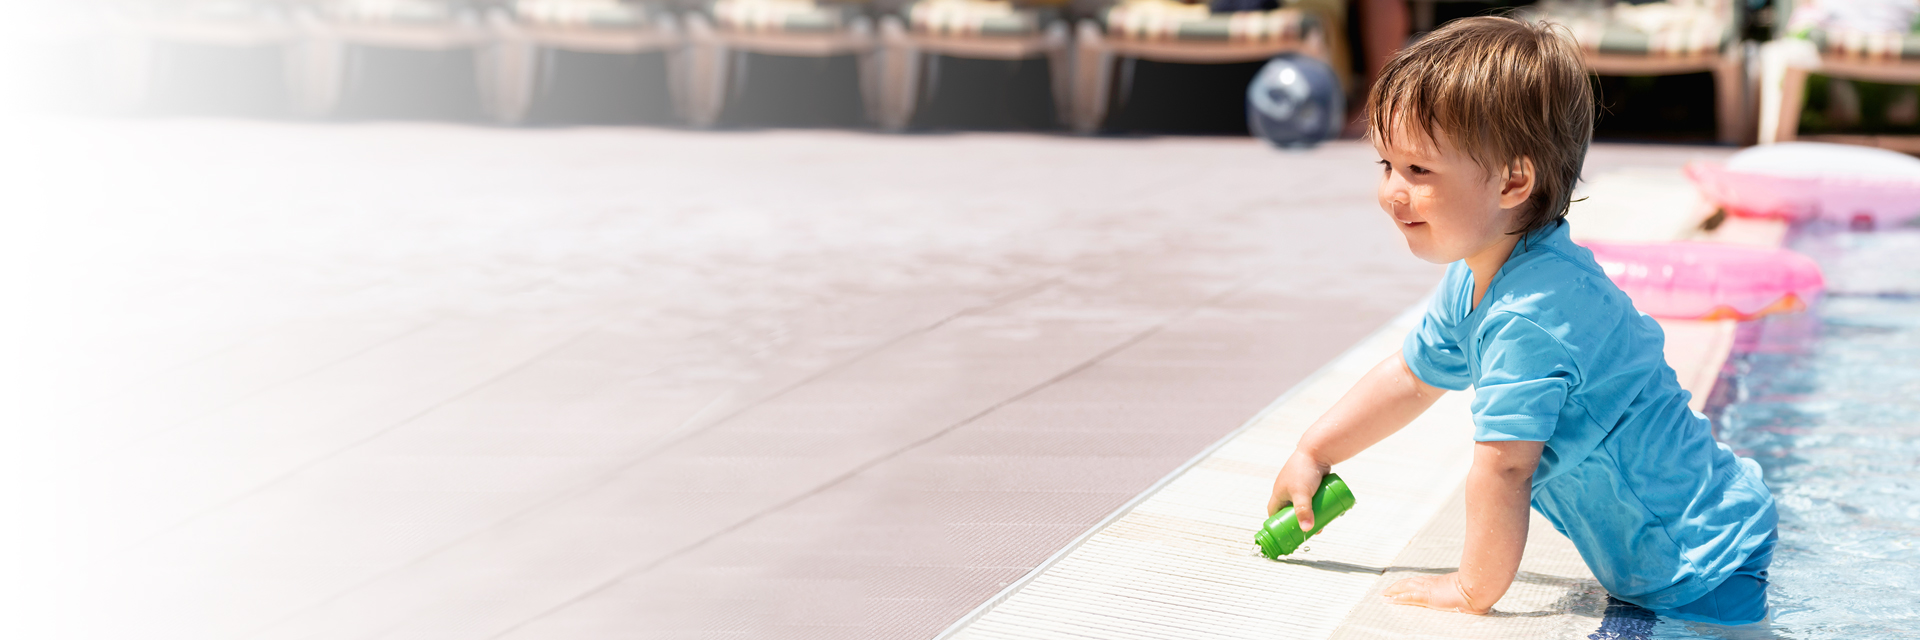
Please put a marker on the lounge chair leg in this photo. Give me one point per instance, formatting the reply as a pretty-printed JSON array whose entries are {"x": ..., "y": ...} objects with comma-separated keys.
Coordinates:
[
  {"x": 507, "y": 75},
  {"x": 706, "y": 73},
  {"x": 870, "y": 60},
  {"x": 1060, "y": 71},
  {"x": 317, "y": 69},
  {"x": 1793, "y": 88},
  {"x": 899, "y": 84},
  {"x": 677, "y": 61},
  {"x": 1784, "y": 65},
  {"x": 1729, "y": 96},
  {"x": 1093, "y": 75}
]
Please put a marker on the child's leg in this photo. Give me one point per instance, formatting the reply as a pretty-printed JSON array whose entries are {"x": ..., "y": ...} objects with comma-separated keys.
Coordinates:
[{"x": 1742, "y": 599}]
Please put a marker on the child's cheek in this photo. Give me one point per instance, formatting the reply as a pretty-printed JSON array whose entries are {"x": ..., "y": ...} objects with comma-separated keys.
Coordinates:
[{"x": 1423, "y": 199}]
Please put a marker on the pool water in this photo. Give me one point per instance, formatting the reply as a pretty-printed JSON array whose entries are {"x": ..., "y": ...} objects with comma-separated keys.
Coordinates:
[{"x": 1828, "y": 402}]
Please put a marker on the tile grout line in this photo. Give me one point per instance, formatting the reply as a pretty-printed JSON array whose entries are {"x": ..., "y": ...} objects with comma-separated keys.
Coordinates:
[
  {"x": 592, "y": 326},
  {"x": 317, "y": 370},
  {"x": 383, "y": 431},
  {"x": 686, "y": 430},
  {"x": 993, "y": 303},
  {"x": 1153, "y": 490},
  {"x": 850, "y": 474}
]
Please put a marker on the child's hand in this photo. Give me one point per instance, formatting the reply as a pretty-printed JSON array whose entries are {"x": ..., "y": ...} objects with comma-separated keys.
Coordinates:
[
  {"x": 1295, "y": 485},
  {"x": 1434, "y": 592}
]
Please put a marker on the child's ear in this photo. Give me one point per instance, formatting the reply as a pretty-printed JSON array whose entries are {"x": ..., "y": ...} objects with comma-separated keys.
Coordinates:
[{"x": 1518, "y": 184}]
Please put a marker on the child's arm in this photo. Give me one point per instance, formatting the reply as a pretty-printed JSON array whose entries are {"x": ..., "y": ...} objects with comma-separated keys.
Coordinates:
[
  {"x": 1499, "y": 488},
  {"x": 1383, "y": 401}
]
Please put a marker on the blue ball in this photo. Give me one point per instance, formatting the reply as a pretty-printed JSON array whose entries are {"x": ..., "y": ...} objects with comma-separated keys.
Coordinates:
[{"x": 1295, "y": 102}]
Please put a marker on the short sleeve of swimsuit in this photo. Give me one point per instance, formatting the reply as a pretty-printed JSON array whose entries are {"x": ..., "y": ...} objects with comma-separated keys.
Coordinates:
[
  {"x": 1432, "y": 352},
  {"x": 1525, "y": 375}
]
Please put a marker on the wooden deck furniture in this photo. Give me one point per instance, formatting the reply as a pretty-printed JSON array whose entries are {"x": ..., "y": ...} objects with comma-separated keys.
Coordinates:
[
  {"x": 139, "y": 33},
  {"x": 777, "y": 27},
  {"x": 1889, "y": 57},
  {"x": 1676, "y": 37},
  {"x": 978, "y": 29},
  {"x": 337, "y": 30},
  {"x": 1171, "y": 32},
  {"x": 528, "y": 31}
]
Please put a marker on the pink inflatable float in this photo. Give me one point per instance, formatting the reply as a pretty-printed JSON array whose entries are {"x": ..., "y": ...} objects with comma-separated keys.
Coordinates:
[
  {"x": 1863, "y": 186},
  {"x": 1705, "y": 281}
]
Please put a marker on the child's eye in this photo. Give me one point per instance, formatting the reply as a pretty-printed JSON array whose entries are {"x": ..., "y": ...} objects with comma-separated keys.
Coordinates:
[
  {"x": 1385, "y": 166},
  {"x": 1417, "y": 169}
]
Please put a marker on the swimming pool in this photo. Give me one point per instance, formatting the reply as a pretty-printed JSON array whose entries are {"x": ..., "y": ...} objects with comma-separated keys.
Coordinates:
[{"x": 1828, "y": 402}]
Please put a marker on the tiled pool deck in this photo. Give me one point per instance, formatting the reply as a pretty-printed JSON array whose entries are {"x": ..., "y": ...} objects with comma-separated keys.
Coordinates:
[{"x": 423, "y": 381}]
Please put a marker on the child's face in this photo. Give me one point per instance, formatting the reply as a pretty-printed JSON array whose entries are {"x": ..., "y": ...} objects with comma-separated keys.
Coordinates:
[{"x": 1447, "y": 206}]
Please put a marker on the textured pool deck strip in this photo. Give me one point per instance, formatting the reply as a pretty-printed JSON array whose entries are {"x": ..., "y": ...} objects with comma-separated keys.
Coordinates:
[
  {"x": 1177, "y": 562},
  {"x": 1180, "y": 561},
  {"x": 1553, "y": 596}
]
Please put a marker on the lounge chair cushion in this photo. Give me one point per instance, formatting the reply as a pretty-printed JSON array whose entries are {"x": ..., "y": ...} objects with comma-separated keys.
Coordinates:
[
  {"x": 1875, "y": 45},
  {"x": 590, "y": 14},
  {"x": 208, "y": 10},
  {"x": 1173, "y": 21},
  {"x": 393, "y": 11},
  {"x": 990, "y": 18},
  {"x": 1677, "y": 28},
  {"x": 783, "y": 16}
]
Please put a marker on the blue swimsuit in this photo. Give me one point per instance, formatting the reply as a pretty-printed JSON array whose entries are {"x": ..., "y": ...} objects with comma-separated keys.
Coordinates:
[{"x": 1664, "y": 515}]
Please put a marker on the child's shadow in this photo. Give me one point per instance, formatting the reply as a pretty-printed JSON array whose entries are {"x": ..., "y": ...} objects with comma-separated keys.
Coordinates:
[{"x": 1337, "y": 567}]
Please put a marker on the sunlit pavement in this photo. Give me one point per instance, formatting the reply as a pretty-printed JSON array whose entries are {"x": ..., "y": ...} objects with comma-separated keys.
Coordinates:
[{"x": 423, "y": 381}]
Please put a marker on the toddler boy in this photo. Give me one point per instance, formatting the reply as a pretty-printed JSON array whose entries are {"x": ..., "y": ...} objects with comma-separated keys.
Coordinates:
[{"x": 1481, "y": 128}]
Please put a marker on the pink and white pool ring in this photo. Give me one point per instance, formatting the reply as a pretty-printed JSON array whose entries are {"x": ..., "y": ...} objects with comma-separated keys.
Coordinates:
[
  {"x": 1708, "y": 281},
  {"x": 1806, "y": 180}
]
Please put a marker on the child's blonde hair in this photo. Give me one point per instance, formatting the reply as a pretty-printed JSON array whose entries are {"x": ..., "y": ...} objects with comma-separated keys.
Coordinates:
[{"x": 1501, "y": 89}]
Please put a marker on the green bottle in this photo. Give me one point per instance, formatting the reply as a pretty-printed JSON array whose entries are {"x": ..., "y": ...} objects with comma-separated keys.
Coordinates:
[{"x": 1281, "y": 535}]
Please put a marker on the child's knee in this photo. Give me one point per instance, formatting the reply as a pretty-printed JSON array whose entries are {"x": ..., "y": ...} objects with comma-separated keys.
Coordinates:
[{"x": 1742, "y": 599}]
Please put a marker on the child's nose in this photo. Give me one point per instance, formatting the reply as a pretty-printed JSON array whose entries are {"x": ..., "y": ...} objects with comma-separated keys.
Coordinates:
[{"x": 1394, "y": 191}]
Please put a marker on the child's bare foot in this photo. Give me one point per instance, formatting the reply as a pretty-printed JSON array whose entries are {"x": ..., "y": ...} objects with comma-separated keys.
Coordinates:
[{"x": 1434, "y": 592}]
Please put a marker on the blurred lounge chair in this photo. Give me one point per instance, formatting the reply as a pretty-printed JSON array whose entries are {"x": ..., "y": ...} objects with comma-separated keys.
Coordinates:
[
  {"x": 977, "y": 29},
  {"x": 1664, "y": 38},
  {"x": 342, "y": 34},
  {"x": 797, "y": 28},
  {"x": 530, "y": 32},
  {"x": 150, "y": 38},
  {"x": 1889, "y": 56},
  {"x": 1166, "y": 31}
]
